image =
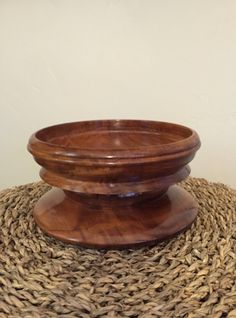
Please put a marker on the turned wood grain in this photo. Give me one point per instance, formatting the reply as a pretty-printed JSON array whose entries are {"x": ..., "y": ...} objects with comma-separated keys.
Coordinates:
[
  {"x": 102, "y": 225},
  {"x": 109, "y": 164}
]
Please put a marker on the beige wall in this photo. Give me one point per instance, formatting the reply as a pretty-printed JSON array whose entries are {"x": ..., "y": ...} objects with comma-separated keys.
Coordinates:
[{"x": 64, "y": 60}]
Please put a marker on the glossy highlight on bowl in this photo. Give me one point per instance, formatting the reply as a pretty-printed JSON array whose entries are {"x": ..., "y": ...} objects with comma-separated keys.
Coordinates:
[{"x": 109, "y": 164}]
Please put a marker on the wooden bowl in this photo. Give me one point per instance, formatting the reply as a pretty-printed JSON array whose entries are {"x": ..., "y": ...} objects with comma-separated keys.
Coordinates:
[{"x": 114, "y": 181}]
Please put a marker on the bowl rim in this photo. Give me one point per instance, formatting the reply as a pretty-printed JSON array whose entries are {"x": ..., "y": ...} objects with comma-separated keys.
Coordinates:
[{"x": 44, "y": 149}]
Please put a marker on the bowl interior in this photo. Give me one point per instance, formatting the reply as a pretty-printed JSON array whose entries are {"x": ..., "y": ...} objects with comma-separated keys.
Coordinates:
[
  {"x": 113, "y": 139},
  {"x": 113, "y": 134}
]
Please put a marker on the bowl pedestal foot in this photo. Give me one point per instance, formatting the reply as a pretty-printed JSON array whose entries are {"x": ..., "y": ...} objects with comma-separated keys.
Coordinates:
[{"x": 101, "y": 221}]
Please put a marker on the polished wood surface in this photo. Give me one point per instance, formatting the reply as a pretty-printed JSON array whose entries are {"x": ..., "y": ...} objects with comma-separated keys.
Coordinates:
[
  {"x": 101, "y": 224},
  {"x": 109, "y": 164}
]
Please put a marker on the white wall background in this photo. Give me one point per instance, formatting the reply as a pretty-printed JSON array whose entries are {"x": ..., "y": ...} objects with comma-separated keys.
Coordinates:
[{"x": 67, "y": 60}]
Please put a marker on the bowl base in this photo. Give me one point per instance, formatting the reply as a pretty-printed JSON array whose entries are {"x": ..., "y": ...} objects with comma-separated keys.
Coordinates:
[{"x": 115, "y": 226}]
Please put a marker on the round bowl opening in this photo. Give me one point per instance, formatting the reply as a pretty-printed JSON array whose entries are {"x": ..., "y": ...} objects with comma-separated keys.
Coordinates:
[{"x": 114, "y": 135}]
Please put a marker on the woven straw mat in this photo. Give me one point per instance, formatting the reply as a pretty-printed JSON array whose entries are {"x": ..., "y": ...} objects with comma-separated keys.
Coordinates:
[{"x": 192, "y": 275}]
